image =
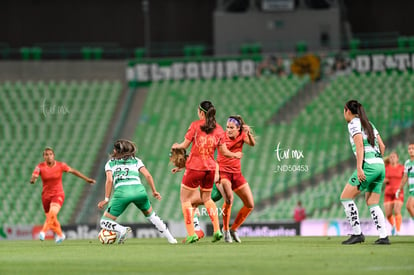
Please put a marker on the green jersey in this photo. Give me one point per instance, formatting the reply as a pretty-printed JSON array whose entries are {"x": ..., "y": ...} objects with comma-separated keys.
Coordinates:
[
  {"x": 409, "y": 171},
  {"x": 372, "y": 154},
  {"x": 124, "y": 171}
]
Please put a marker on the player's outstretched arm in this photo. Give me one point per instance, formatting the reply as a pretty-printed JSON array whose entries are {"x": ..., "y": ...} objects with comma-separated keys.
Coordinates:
[
  {"x": 183, "y": 145},
  {"x": 33, "y": 179},
  {"x": 144, "y": 171},
  {"x": 108, "y": 189},
  {"x": 82, "y": 176}
]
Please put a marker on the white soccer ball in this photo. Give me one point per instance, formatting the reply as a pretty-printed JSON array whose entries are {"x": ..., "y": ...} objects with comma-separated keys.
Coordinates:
[{"x": 107, "y": 236}]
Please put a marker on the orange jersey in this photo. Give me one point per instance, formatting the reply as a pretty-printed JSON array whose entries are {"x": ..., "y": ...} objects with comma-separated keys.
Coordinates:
[
  {"x": 231, "y": 165},
  {"x": 394, "y": 175},
  {"x": 51, "y": 177},
  {"x": 204, "y": 145}
]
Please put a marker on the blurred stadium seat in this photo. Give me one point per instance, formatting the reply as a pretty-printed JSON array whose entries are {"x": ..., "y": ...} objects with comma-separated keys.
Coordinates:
[{"x": 72, "y": 117}]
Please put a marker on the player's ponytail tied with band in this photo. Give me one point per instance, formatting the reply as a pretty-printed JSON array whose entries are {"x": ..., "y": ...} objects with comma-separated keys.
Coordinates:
[
  {"x": 356, "y": 108},
  {"x": 210, "y": 112}
]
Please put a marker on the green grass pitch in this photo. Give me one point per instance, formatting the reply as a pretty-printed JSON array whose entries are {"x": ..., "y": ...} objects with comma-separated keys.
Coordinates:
[{"x": 279, "y": 255}]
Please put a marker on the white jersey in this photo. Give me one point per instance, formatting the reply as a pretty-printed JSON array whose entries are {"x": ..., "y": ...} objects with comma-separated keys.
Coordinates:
[
  {"x": 409, "y": 171},
  {"x": 372, "y": 154},
  {"x": 124, "y": 171}
]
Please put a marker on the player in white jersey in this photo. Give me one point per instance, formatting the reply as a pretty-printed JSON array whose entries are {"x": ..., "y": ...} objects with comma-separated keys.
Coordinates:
[
  {"x": 122, "y": 176},
  {"x": 369, "y": 175},
  {"x": 408, "y": 177}
]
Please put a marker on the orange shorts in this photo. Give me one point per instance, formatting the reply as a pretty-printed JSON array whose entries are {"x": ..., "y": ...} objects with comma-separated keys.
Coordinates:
[
  {"x": 193, "y": 179},
  {"x": 391, "y": 198},
  {"x": 237, "y": 179},
  {"x": 47, "y": 200}
]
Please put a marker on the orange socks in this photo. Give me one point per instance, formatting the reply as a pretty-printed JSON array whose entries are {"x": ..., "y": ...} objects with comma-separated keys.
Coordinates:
[
  {"x": 398, "y": 221},
  {"x": 188, "y": 212},
  {"x": 226, "y": 215},
  {"x": 46, "y": 225},
  {"x": 391, "y": 220},
  {"x": 52, "y": 221},
  {"x": 212, "y": 212},
  {"x": 241, "y": 217}
]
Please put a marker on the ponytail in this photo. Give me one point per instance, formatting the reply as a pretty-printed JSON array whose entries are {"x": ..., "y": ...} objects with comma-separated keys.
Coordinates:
[
  {"x": 210, "y": 112},
  {"x": 356, "y": 108}
]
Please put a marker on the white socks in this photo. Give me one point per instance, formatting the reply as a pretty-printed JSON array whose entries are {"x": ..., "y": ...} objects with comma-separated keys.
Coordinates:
[
  {"x": 379, "y": 220},
  {"x": 153, "y": 218},
  {"x": 112, "y": 226},
  {"x": 162, "y": 228},
  {"x": 377, "y": 216},
  {"x": 351, "y": 212}
]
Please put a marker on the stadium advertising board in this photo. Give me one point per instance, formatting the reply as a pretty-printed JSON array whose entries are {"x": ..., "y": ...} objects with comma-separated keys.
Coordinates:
[
  {"x": 342, "y": 227},
  {"x": 381, "y": 62},
  {"x": 72, "y": 232},
  {"x": 183, "y": 70},
  {"x": 283, "y": 229},
  {"x": 146, "y": 72}
]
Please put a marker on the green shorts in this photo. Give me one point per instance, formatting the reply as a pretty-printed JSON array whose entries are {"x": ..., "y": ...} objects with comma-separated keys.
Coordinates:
[
  {"x": 215, "y": 194},
  {"x": 374, "y": 173},
  {"x": 124, "y": 195}
]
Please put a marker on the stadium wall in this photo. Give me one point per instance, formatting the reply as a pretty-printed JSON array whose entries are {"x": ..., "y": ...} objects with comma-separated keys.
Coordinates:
[
  {"x": 61, "y": 70},
  {"x": 277, "y": 31}
]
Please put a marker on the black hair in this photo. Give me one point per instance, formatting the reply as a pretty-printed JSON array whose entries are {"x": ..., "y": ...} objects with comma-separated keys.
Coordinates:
[
  {"x": 208, "y": 108},
  {"x": 356, "y": 108}
]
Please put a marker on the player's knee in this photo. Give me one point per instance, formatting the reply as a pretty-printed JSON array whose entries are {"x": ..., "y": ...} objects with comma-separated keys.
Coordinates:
[
  {"x": 250, "y": 205},
  {"x": 229, "y": 199}
]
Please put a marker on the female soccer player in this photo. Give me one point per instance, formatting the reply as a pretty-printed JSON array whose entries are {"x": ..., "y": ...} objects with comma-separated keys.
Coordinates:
[
  {"x": 178, "y": 157},
  {"x": 205, "y": 136},
  {"x": 237, "y": 133},
  {"x": 368, "y": 148},
  {"x": 408, "y": 177},
  {"x": 51, "y": 171},
  {"x": 122, "y": 175},
  {"x": 394, "y": 172}
]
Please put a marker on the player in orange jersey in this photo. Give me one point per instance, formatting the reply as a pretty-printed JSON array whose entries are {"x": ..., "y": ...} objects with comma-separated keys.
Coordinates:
[
  {"x": 205, "y": 136},
  {"x": 237, "y": 133},
  {"x": 178, "y": 157},
  {"x": 394, "y": 172},
  {"x": 51, "y": 172}
]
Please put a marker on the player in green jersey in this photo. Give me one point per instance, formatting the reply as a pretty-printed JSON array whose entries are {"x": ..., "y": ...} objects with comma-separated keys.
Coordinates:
[
  {"x": 122, "y": 176},
  {"x": 408, "y": 177},
  {"x": 369, "y": 175}
]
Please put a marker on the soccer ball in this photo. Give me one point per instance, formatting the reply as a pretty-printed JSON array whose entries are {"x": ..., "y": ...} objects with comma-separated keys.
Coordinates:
[{"x": 107, "y": 236}]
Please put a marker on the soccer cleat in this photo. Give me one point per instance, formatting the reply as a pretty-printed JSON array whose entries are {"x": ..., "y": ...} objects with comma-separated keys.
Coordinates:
[
  {"x": 190, "y": 239},
  {"x": 393, "y": 231},
  {"x": 60, "y": 239},
  {"x": 200, "y": 234},
  {"x": 217, "y": 236},
  {"x": 123, "y": 236},
  {"x": 227, "y": 236},
  {"x": 235, "y": 236},
  {"x": 42, "y": 236},
  {"x": 172, "y": 241},
  {"x": 355, "y": 239},
  {"x": 382, "y": 241}
]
